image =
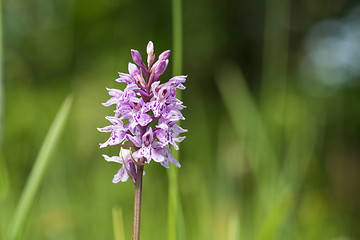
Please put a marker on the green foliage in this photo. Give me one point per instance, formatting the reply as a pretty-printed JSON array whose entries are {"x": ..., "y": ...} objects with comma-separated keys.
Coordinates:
[
  {"x": 40, "y": 166},
  {"x": 118, "y": 221},
  {"x": 263, "y": 158}
]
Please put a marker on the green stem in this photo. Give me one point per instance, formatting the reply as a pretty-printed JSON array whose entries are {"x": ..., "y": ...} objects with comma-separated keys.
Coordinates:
[
  {"x": 137, "y": 201},
  {"x": 177, "y": 37},
  {"x": 176, "y": 228},
  {"x": 1, "y": 77},
  {"x": 3, "y": 171}
]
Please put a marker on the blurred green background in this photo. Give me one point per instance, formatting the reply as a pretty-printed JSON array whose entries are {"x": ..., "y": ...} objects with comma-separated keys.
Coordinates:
[{"x": 273, "y": 115}]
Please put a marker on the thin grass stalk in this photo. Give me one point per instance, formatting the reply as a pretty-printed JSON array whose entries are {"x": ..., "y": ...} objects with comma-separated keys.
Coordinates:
[
  {"x": 275, "y": 68},
  {"x": 17, "y": 224},
  {"x": 276, "y": 42},
  {"x": 3, "y": 171},
  {"x": 118, "y": 223},
  {"x": 176, "y": 226},
  {"x": 1, "y": 78},
  {"x": 177, "y": 37},
  {"x": 274, "y": 89}
]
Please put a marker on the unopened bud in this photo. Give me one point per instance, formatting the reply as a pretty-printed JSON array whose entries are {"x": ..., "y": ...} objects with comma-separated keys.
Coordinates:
[
  {"x": 150, "y": 48},
  {"x": 136, "y": 57},
  {"x": 150, "y": 52},
  {"x": 160, "y": 68},
  {"x": 164, "y": 55}
]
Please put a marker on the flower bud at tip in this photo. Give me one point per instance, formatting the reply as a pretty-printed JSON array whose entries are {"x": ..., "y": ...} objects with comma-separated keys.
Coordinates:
[
  {"x": 164, "y": 55},
  {"x": 136, "y": 57},
  {"x": 150, "y": 48}
]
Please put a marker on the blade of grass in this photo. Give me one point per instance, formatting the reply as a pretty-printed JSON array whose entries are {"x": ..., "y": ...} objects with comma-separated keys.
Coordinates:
[
  {"x": 233, "y": 226},
  {"x": 248, "y": 123},
  {"x": 118, "y": 223},
  {"x": 176, "y": 225},
  {"x": 275, "y": 57},
  {"x": 272, "y": 223},
  {"x": 17, "y": 224},
  {"x": 4, "y": 183},
  {"x": 3, "y": 171},
  {"x": 177, "y": 36},
  {"x": 1, "y": 77},
  {"x": 275, "y": 71}
]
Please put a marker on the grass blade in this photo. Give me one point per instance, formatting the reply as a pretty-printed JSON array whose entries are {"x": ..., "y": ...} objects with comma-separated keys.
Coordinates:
[
  {"x": 37, "y": 173},
  {"x": 247, "y": 122},
  {"x": 233, "y": 226},
  {"x": 176, "y": 225},
  {"x": 3, "y": 171},
  {"x": 276, "y": 217},
  {"x": 118, "y": 223}
]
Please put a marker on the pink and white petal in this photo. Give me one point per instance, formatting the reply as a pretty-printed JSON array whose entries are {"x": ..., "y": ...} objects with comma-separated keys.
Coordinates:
[
  {"x": 177, "y": 129},
  {"x": 115, "y": 121},
  {"x": 134, "y": 140},
  {"x": 157, "y": 144},
  {"x": 114, "y": 92},
  {"x": 179, "y": 139},
  {"x": 114, "y": 139},
  {"x": 148, "y": 137},
  {"x": 132, "y": 87},
  {"x": 113, "y": 158},
  {"x": 142, "y": 118},
  {"x": 156, "y": 156},
  {"x": 166, "y": 152},
  {"x": 174, "y": 144},
  {"x": 163, "y": 126},
  {"x": 105, "y": 144},
  {"x": 162, "y": 136},
  {"x": 143, "y": 152},
  {"x": 121, "y": 176},
  {"x": 125, "y": 154},
  {"x": 106, "y": 129},
  {"x": 125, "y": 78},
  {"x": 111, "y": 101},
  {"x": 165, "y": 163},
  {"x": 154, "y": 85}
]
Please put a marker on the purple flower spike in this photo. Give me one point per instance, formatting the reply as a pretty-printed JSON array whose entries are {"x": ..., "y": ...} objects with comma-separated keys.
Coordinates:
[{"x": 144, "y": 102}]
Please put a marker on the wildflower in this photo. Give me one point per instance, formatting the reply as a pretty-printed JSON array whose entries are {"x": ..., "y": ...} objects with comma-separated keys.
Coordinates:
[{"x": 145, "y": 101}]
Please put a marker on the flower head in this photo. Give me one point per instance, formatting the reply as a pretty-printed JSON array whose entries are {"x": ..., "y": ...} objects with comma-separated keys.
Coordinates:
[{"x": 145, "y": 101}]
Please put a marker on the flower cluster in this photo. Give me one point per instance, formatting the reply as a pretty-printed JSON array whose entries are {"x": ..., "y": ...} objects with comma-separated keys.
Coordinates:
[{"x": 145, "y": 116}]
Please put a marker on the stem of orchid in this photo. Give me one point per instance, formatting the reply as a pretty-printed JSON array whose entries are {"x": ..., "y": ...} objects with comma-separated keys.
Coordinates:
[{"x": 137, "y": 201}]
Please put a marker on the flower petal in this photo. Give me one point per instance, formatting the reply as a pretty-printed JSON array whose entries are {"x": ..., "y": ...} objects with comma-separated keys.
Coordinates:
[
  {"x": 121, "y": 176},
  {"x": 156, "y": 156},
  {"x": 113, "y": 159}
]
